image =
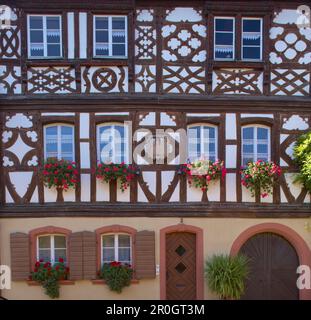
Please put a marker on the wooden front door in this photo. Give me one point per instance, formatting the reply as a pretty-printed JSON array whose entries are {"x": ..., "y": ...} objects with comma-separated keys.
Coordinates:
[
  {"x": 180, "y": 266},
  {"x": 274, "y": 262}
]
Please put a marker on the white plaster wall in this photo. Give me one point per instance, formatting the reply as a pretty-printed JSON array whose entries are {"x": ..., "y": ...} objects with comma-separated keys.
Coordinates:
[
  {"x": 102, "y": 191},
  {"x": 231, "y": 131},
  {"x": 231, "y": 187},
  {"x": 83, "y": 34},
  {"x": 231, "y": 156},
  {"x": 85, "y": 187}
]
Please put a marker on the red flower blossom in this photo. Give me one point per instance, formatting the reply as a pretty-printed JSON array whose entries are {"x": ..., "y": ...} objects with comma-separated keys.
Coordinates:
[{"x": 61, "y": 260}]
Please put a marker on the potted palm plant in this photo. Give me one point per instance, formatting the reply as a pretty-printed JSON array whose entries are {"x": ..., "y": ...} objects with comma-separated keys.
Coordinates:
[{"x": 226, "y": 275}]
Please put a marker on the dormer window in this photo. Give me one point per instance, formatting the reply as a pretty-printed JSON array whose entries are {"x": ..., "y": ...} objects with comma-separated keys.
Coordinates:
[
  {"x": 110, "y": 36},
  {"x": 44, "y": 36}
]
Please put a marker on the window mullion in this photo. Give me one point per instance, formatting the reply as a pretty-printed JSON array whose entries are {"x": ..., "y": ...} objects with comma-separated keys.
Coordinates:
[
  {"x": 256, "y": 144},
  {"x": 45, "y": 36},
  {"x": 110, "y": 35},
  {"x": 59, "y": 143},
  {"x": 52, "y": 250},
  {"x": 116, "y": 247}
]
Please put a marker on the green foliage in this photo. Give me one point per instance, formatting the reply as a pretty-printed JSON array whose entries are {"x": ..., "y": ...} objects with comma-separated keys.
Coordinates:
[
  {"x": 60, "y": 173},
  {"x": 226, "y": 275},
  {"x": 302, "y": 156},
  {"x": 117, "y": 171},
  {"x": 116, "y": 275},
  {"x": 260, "y": 176},
  {"x": 48, "y": 276}
]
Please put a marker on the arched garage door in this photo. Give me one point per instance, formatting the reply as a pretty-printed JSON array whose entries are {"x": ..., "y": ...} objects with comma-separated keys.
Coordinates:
[{"x": 274, "y": 262}]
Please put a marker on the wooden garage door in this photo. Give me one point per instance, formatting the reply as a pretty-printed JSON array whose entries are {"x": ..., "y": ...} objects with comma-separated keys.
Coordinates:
[
  {"x": 273, "y": 268},
  {"x": 181, "y": 266}
]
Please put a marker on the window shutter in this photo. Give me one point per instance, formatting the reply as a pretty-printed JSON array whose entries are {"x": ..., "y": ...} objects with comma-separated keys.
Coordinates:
[
  {"x": 89, "y": 255},
  {"x": 76, "y": 255},
  {"x": 20, "y": 256},
  {"x": 145, "y": 255}
]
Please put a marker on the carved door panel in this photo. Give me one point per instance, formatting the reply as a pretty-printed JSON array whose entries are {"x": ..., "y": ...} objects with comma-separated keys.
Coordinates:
[{"x": 181, "y": 266}]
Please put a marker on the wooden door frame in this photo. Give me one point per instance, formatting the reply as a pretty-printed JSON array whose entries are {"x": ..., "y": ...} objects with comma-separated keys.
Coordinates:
[
  {"x": 199, "y": 257},
  {"x": 301, "y": 247}
]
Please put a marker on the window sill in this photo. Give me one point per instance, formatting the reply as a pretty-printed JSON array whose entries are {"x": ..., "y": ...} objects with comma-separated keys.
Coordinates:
[
  {"x": 101, "y": 281},
  {"x": 61, "y": 282}
]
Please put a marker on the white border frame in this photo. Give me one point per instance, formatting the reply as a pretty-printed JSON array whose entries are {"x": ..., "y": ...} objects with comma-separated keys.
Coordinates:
[
  {"x": 201, "y": 125},
  {"x": 44, "y": 36},
  {"x": 261, "y": 38},
  {"x": 59, "y": 151},
  {"x": 52, "y": 246},
  {"x": 256, "y": 126},
  {"x": 233, "y": 41},
  {"x": 112, "y": 124},
  {"x": 116, "y": 246},
  {"x": 110, "y": 56}
]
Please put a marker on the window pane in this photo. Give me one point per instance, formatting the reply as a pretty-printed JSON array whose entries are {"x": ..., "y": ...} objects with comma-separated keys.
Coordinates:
[
  {"x": 53, "y": 23},
  {"x": 36, "y": 22},
  {"x": 53, "y": 50},
  {"x": 224, "y": 38},
  {"x": 251, "y": 52},
  {"x": 124, "y": 240},
  {"x": 44, "y": 242},
  {"x": 53, "y": 37},
  {"x": 118, "y": 37},
  {"x": 60, "y": 253},
  {"x": 108, "y": 241},
  {"x": 45, "y": 255},
  {"x": 118, "y": 23},
  {"x": 36, "y": 36},
  {"x": 108, "y": 255},
  {"x": 118, "y": 49},
  {"x": 262, "y": 148},
  {"x": 251, "y": 25},
  {"x": 224, "y": 24},
  {"x": 102, "y": 36},
  {"x": 248, "y": 149},
  {"x": 262, "y": 133},
  {"x": 36, "y": 50},
  {"x": 124, "y": 254},
  {"x": 102, "y": 50},
  {"x": 59, "y": 242},
  {"x": 223, "y": 52},
  {"x": 248, "y": 133},
  {"x": 101, "y": 23}
]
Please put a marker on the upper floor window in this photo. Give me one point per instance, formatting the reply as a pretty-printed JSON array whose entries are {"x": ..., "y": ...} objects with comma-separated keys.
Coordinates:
[
  {"x": 111, "y": 143},
  {"x": 44, "y": 36},
  {"x": 59, "y": 142},
  {"x": 50, "y": 248},
  {"x": 255, "y": 143},
  {"x": 202, "y": 142},
  {"x": 251, "y": 39},
  {"x": 225, "y": 36},
  {"x": 116, "y": 247},
  {"x": 110, "y": 36}
]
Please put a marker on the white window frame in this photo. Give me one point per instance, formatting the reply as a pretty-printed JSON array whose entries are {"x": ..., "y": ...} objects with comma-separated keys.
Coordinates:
[
  {"x": 110, "y": 56},
  {"x": 59, "y": 139},
  {"x": 202, "y": 125},
  {"x": 233, "y": 40},
  {"x": 45, "y": 56},
  {"x": 126, "y": 140},
  {"x": 256, "y": 126},
  {"x": 116, "y": 246},
  {"x": 261, "y": 38},
  {"x": 52, "y": 247}
]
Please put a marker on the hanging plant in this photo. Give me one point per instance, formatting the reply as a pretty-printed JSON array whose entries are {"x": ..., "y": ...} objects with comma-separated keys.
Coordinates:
[
  {"x": 49, "y": 276},
  {"x": 260, "y": 176},
  {"x": 302, "y": 156},
  {"x": 201, "y": 172},
  {"x": 61, "y": 174},
  {"x": 116, "y": 275},
  {"x": 113, "y": 172}
]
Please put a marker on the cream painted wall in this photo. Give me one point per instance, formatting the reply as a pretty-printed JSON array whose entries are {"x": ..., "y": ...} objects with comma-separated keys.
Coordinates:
[{"x": 219, "y": 234}]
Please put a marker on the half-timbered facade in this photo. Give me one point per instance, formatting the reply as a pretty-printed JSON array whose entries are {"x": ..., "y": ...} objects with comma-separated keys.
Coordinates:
[{"x": 234, "y": 75}]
